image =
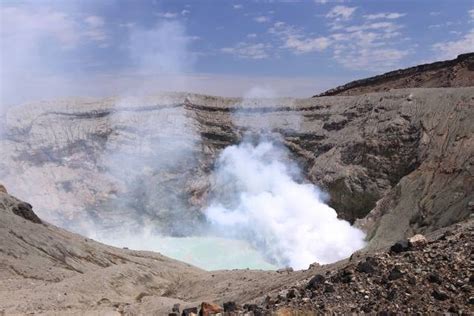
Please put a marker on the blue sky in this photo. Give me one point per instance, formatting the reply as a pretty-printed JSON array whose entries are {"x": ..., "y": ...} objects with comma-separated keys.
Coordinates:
[{"x": 294, "y": 48}]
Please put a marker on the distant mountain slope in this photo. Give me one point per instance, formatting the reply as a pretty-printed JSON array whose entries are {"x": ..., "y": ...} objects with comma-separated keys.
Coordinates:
[{"x": 458, "y": 72}]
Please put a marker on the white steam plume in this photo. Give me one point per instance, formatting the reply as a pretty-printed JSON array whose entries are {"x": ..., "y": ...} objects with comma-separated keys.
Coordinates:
[
  {"x": 261, "y": 92},
  {"x": 161, "y": 51},
  {"x": 288, "y": 221},
  {"x": 159, "y": 146}
]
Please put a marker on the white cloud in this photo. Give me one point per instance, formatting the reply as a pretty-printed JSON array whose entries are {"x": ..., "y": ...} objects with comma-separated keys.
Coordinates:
[
  {"x": 252, "y": 35},
  {"x": 237, "y": 6},
  {"x": 262, "y": 19},
  {"x": 193, "y": 38},
  {"x": 370, "y": 58},
  {"x": 389, "y": 16},
  {"x": 308, "y": 44},
  {"x": 127, "y": 25},
  {"x": 37, "y": 43},
  {"x": 185, "y": 12},
  {"x": 298, "y": 42},
  {"x": 167, "y": 15},
  {"x": 327, "y": 1},
  {"x": 248, "y": 50},
  {"x": 19, "y": 25},
  {"x": 471, "y": 13},
  {"x": 373, "y": 45},
  {"x": 385, "y": 27},
  {"x": 451, "y": 49},
  {"x": 95, "y": 29},
  {"x": 94, "y": 21},
  {"x": 341, "y": 12},
  {"x": 366, "y": 46},
  {"x": 279, "y": 24},
  {"x": 443, "y": 25}
]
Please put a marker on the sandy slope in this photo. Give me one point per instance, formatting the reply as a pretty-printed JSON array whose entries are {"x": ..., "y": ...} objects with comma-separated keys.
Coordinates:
[{"x": 45, "y": 269}]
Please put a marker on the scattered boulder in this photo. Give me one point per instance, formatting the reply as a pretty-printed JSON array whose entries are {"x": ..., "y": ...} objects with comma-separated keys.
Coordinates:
[
  {"x": 292, "y": 293},
  {"x": 418, "y": 241},
  {"x": 282, "y": 294},
  {"x": 400, "y": 246},
  {"x": 254, "y": 308},
  {"x": 192, "y": 311},
  {"x": 287, "y": 270},
  {"x": 439, "y": 295},
  {"x": 230, "y": 307},
  {"x": 434, "y": 278},
  {"x": 3, "y": 189},
  {"x": 208, "y": 309},
  {"x": 316, "y": 281},
  {"x": 345, "y": 276},
  {"x": 314, "y": 265},
  {"x": 25, "y": 210},
  {"x": 395, "y": 274},
  {"x": 329, "y": 288},
  {"x": 365, "y": 267},
  {"x": 176, "y": 308}
]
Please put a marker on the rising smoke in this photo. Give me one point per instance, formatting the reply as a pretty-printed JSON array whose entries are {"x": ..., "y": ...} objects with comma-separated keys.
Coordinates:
[
  {"x": 159, "y": 145},
  {"x": 288, "y": 221},
  {"x": 260, "y": 200}
]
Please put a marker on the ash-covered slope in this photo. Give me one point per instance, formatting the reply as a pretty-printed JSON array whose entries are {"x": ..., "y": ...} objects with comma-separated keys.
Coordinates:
[
  {"x": 458, "y": 72},
  {"x": 47, "y": 270},
  {"x": 398, "y": 162}
]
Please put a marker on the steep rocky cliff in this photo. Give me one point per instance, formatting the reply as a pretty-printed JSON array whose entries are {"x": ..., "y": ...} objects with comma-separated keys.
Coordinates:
[
  {"x": 458, "y": 72},
  {"x": 394, "y": 162}
]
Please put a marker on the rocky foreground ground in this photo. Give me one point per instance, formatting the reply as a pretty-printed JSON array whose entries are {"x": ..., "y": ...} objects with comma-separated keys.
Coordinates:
[
  {"x": 423, "y": 276},
  {"x": 46, "y": 270}
]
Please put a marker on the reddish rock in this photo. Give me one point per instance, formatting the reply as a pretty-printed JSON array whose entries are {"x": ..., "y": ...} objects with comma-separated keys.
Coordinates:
[{"x": 208, "y": 309}]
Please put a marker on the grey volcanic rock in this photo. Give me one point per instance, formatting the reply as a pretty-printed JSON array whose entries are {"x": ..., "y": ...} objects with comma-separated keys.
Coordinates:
[
  {"x": 405, "y": 283},
  {"x": 458, "y": 72},
  {"x": 396, "y": 162}
]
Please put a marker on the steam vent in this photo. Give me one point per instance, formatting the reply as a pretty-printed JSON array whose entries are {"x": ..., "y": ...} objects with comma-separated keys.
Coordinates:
[{"x": 261, "y": 187}]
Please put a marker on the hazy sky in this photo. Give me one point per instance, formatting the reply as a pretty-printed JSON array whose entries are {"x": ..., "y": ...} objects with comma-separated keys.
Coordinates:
[{"x": 296, "y": 48}]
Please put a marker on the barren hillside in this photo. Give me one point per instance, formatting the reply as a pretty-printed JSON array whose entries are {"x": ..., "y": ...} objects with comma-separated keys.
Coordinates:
[{"x": 458, "y": 72}]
